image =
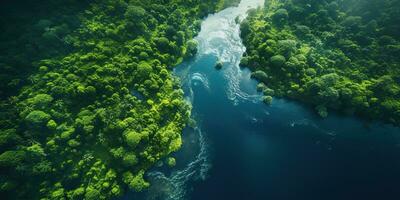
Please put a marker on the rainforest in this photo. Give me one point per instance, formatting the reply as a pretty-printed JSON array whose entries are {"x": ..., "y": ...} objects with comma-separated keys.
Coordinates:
[
  {"x": 199, "y": 99},
  {"x": 340, "y": 55}
]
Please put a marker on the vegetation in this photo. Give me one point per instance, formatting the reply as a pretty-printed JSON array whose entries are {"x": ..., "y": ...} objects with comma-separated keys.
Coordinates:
[
  {"x": 333, "y": 54},
  {"x": 88, "y": 102}
]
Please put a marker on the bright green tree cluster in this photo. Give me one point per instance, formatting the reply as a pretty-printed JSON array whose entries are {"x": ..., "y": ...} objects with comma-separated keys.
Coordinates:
[
  {"x": 333, "y": 54},
  {"x": 97, "y": 106}
]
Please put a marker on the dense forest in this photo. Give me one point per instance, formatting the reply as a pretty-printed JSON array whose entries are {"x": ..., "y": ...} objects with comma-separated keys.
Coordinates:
[
  {"x": 87, "y": 99},
  {"x": 89, "y": 104},
  {"x": 333, "y": 54}
]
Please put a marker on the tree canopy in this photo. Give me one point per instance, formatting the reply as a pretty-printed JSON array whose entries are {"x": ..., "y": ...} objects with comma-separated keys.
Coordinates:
[
  {"x": 332, "y": 54},
  {"x": 88, "y": 101}
]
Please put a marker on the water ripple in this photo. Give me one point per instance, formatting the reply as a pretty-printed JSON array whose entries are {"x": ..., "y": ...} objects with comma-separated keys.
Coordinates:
[
  {"x": 174, "y": 187},
  {"x": 220, "y": 36}
]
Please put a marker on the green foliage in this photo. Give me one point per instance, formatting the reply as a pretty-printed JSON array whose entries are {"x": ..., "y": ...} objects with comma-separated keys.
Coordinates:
[
  {"x": 37, "y": 117},
  {"x": 135, "y": 182},
  {"x": 78, "y": 193},
  {"x": 51, "y": 125},
  {"x": 191, "y": 48},
  {"x": 40, "y": 101},
  {"x": 130, "y": 159},
  {"x": 92, "y": 194},
  {"x": 260, "y": 75},
  {"x": 44, "y": 32},
  {"x": 58, "y": 194},
  {"x": 144, "y": 70},
  {"x": 280, "y": 17},
  {"x": 12, "y": 158},
  {"x": 132, "y": 138},
  {"x": 333, "y": 54},
  {"x": 267, "y": 100},
  {"x": 134, "y": 13},
  {"x": 90, "y": 103},
  {"x": 322, "y": 111},
  {"x": 278, "y": 61},
  {"x": 42, "y": 168},
  {"x": 9, "y": 138},
  {"x": 36, "y": 149},
  {"x": 171, "y": 161}
]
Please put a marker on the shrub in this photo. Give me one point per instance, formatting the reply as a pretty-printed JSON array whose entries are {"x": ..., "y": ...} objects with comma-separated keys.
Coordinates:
[
  {"x": 37, "y": 117},
  {"x": 278, "y": 61}
]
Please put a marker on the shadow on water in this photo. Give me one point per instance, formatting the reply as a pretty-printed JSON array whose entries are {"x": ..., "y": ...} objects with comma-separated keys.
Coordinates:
[{"x": 243, "y": 149}]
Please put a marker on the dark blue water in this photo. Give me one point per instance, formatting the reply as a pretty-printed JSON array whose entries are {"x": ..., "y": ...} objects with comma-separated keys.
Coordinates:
[
  {"x": 286, "y": 152},
  {"x": 243, "y": 149}
]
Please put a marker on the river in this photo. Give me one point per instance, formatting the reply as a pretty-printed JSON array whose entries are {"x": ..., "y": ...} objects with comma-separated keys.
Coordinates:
[{"x": 243, "y": 149}]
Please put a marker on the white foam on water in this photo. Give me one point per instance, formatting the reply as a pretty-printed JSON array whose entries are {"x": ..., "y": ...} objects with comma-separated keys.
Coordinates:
[
  {"x": 307, "y": 122},
  {"x": 310, "y": 123},
  {"x": 198, "y": 78},
  {"x": 220, "y": 36},
  {"x": 175, "y": 186}
]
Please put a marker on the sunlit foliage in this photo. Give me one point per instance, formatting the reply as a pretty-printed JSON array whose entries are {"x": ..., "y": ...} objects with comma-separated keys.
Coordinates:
[
  {"x": 88, "y": 101},
  {"x": 332, "y": 54}
]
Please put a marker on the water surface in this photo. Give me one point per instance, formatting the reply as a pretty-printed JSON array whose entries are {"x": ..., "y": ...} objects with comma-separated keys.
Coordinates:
[{"x": 244, "y": 149}]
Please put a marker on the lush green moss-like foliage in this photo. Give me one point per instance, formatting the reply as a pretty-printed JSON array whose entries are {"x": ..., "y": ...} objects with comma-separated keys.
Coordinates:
[
  {"x": 338, "y": 54},
  {"x": 100, "y": 105},
  {"x": 171, "y": 161}
]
